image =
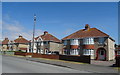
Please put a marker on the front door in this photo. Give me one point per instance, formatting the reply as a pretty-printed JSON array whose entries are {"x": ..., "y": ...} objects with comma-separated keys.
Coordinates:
[{"x": 102, "y": 55}]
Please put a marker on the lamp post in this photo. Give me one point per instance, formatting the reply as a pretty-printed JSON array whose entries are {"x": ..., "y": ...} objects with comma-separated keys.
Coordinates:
[{"x": 33, "y": 32}]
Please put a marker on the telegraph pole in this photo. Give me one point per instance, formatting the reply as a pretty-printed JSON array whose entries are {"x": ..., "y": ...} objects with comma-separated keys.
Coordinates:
[{"x": 33, "y": 32}]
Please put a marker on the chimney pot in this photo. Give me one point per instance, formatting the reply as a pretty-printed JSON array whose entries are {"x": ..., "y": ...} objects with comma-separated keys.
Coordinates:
[
  {"x": 6, "y": 38},
  {"x": 45, "y": 32},
  {"x": 20, "y": 36},
  {"x": 87, "y": 26}
]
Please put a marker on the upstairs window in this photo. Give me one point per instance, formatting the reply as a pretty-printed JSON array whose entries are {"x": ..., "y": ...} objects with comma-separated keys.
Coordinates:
[
  {"x": 88, "y": 41},
  {"x": 74, "y": 42},
  {"x": 101, "y": 40},
  {"x": 65, "y": 42}
]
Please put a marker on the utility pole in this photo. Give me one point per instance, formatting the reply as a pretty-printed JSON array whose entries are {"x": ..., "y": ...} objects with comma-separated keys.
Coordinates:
[{"x": 33, "y": 32}]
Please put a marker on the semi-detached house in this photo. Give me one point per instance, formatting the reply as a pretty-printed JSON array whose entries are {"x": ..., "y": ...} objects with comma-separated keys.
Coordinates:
[{"x": 90, "y": 41}]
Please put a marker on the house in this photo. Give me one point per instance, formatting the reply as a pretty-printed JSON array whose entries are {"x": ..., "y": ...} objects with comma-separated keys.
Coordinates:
[
  {"x": 117, "y": 50},
  {"x": 46, "y": 43},
  {"x": 5, "y": 45},
  {"x": 21, "y": 44},
  {"x": 89, "y": 41},
  {"x": 8, "y": 45}
]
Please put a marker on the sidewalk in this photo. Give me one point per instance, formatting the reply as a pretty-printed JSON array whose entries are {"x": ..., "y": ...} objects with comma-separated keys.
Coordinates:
[
  {"x": 73, "y": 65},
  {"x": 103, "y": 63}
]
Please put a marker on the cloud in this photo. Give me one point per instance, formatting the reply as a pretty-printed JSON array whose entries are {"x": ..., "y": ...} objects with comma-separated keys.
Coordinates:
[{"x": 12, "y": 29}]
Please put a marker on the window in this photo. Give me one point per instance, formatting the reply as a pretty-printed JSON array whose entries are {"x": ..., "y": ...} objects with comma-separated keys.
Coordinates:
[
  {"x": 45, "y": 42},
  {"x": 101, "y": 40},
  {"x": 65, "y": 42},
  {"x": 74, "y": 42},
  {"x": 88, "y": 52},
  {"x": 74, "y": 52},
  {"x": 118, "y": 52},
  {"x": 88, "y": 41}
]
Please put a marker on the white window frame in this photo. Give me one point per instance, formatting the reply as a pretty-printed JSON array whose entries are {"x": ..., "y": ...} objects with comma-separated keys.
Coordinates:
[
  {"x": 88, "y": 52},
  {"x": 89, "y": 40},
  {"x": 74, "y": 42}
]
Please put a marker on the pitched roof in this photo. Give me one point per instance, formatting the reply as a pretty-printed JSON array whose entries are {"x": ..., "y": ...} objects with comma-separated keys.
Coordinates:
[
  {"x": 87, "y": 32},
  {"x": 5, "y": 41},
  {"x": 21, "y": 40},
  {"x": 48, "y": 37}
]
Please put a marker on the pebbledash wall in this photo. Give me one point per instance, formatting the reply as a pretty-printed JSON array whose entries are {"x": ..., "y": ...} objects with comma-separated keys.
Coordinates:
[{"x": 56, "y": 47}]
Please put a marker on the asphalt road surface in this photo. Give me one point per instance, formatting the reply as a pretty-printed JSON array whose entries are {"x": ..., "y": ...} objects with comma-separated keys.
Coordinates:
[{"x": 16, "y": 65}]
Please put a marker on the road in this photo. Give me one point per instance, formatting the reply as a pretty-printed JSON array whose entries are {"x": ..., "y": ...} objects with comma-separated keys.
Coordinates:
[{"x": 16, "y": 65}]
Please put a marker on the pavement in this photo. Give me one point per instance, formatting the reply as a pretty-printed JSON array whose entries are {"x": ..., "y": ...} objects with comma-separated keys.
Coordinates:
[
  {"x": 103, "y": 63},
  {"x": 66, "y": 66}
]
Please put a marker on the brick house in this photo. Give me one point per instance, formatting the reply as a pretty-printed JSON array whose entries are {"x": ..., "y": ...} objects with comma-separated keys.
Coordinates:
[
  {"x": 21, "y": 44},
  {"x": 8, "y": 45},
  {"x": 5, "y": 46},
  {"x": 46, "y": 43},
  {"x": 89, "y": 41}
]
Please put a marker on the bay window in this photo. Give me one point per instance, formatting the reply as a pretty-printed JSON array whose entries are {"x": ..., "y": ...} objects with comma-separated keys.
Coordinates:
[
  {"x": 74, "y": 42},
  {"x": 74, "y": 52},
  {"x": 88, "y": 41},
  {"x": 88, "y": 52}
]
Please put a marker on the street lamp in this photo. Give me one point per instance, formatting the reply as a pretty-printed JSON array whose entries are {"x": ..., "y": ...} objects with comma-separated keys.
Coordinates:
[{"x": 33, "y": 32}]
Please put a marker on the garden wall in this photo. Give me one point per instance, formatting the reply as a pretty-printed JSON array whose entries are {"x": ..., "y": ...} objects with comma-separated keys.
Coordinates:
[
  {"x": 118, "y": 61},
  {"x": 45, "y": 56},
  {"x": 84, "y": 59}
]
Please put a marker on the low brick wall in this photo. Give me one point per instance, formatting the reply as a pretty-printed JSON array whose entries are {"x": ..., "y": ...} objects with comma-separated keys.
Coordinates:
[
  {"x": 23, "y": 53},
  {"x": 29, "y": 53},
  {"x": 20, "y": 53},
  {"x": 45, "y": 56},
  {"x": 118, "y": 61},
  {"x": 84, "y": 59}
]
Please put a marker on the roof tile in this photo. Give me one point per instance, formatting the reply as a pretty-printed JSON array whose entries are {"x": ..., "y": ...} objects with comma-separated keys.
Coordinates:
[{"x": 83, "y": 33}]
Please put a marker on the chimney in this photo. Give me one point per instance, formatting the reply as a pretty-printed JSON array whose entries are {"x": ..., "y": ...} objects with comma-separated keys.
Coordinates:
[
  {"x": 6, "y": 38},
  {"x": 45, "y": 32},
  {"x": 87, "y": 27},
  {"x": 20, "y": 36}
]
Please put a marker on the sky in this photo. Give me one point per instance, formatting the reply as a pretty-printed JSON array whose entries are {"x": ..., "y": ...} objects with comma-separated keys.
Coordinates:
[{"x": 60, "y": 19}]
